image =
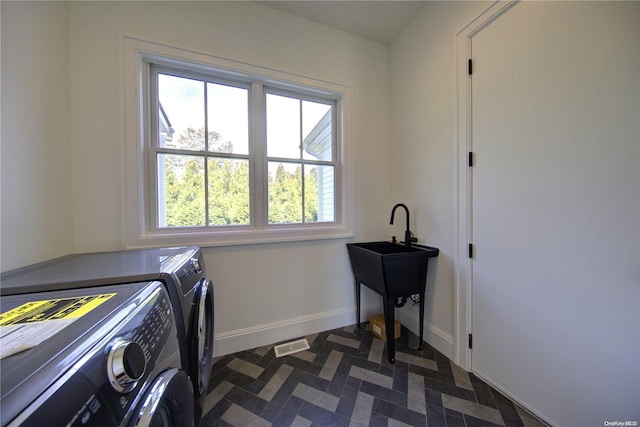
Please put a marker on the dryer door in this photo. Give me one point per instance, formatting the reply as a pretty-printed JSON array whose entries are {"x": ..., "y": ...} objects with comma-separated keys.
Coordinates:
[
  {"x": 168, "y": 403},
  {"x": 201, "y": 337}
]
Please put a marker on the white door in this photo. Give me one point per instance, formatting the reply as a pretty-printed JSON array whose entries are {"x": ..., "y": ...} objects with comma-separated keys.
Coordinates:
[{"x": 556, "y": 209}]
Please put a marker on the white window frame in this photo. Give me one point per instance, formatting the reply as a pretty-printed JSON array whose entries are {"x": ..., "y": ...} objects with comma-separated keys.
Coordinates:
[
  {"x": 139, "y": 228},
  {"x": 152, "y": 149}
]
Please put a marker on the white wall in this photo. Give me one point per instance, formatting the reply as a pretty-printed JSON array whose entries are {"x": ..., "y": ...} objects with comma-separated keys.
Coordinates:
[
  {"x": 36, "y": 167},
  {"x": 62, "y": 147},
  {"x": 585, "y": 339},
  {"x": 263, "y": 292},
  {"x": 241, "y": 31},
  {"x": 422, "y": 140}
]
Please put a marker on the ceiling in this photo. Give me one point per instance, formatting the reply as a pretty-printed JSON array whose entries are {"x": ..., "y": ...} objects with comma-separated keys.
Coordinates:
[{"x": 380, "y": 21}]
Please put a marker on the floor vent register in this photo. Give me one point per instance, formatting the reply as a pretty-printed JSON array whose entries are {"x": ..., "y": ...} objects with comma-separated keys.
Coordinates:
[{"x": 291, "y": 347}]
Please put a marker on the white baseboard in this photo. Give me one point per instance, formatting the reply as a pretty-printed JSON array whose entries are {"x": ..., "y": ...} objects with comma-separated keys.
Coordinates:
[
  {"x": 270, "y": 333},
  {"x": 433, "y": 335}
]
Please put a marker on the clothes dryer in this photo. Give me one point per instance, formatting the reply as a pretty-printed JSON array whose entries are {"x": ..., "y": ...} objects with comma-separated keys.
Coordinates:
[
  {"x": 180, "y": 269},
  {"x": 99, "y": 356}
]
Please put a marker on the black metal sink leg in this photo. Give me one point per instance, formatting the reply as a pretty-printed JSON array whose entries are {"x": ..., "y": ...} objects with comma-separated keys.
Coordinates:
[
  {"x": 389, "y": 320},
  {"x": 357, "y": 303},
  {"x": 421, "y": 320}
]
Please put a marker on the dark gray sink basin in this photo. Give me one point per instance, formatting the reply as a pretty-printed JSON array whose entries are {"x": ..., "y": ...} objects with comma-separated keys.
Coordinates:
[
  {"x": 394, "y": 271},
  {"x": 391, "y": 269}
]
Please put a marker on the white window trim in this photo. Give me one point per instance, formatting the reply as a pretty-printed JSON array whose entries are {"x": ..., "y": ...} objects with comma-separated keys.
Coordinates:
[{"x": 136, "y": 230}]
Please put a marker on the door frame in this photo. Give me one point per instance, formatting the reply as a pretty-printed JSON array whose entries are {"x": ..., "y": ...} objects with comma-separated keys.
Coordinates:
[{"x": 463, "y": 272}]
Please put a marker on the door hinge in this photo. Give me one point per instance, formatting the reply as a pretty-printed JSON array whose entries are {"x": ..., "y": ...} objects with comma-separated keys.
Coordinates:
[
  {"x": 470, "y": 341},
  {"x": 470, "y": 158},
  {"x": 470, "y": 66},
  {"x": 470, "y": 250}
]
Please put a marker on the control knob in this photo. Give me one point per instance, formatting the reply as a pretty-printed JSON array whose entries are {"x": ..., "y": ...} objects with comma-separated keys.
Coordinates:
[{"x": 125, "y": 365}]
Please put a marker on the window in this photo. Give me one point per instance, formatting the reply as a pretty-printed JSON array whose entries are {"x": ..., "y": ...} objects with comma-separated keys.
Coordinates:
[
  {"x": 199, "y": 151},
  {"x": 228, "y": 156},
  {"x": 301, "y": 171}
]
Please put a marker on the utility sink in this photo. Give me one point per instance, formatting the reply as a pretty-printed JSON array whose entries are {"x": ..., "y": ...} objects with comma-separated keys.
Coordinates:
[
  {"x": 390, "y": 268},
  {"x": 394, "y": 271}
]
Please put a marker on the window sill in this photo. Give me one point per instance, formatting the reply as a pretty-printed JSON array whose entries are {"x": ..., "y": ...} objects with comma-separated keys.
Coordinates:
[{"x": 240, "y": 237}]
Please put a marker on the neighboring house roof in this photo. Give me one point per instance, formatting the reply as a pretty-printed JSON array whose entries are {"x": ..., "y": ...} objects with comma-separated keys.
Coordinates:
[
  {"x": 165, "y": 124},
  {"x": 319, "y": 143}
]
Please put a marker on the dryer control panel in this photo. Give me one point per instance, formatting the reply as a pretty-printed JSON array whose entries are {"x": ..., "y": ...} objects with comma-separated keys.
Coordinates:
[
  {"x": 133, "y": 353},
  {"x": 102, "y": 386}
]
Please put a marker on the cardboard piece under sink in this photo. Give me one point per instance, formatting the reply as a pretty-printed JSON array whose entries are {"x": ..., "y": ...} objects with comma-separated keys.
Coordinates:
[{"x": 377, "y": 326}]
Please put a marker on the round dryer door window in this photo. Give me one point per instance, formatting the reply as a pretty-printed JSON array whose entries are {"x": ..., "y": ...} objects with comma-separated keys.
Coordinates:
[
  {"x": 168, "y": 403},
  {"x": 201, "y": 337}
]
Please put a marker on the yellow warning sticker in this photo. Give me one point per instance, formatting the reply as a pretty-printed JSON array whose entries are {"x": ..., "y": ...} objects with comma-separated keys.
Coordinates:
[{"x": 53, "y": 309}]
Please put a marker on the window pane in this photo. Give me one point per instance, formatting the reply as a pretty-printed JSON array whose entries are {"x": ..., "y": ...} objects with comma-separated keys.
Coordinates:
[
  {"x": 228, "y": 119},
  {"x": 285, "y": 193},
  {"x": 180, "y": 191},
  {"x": 319, "y": 192},
  {"x": 317, "y": 131},
  {"x": 228, "y": 191},
  {"x": 181, "y": 113},
  {"x": 283, "y": 127}
]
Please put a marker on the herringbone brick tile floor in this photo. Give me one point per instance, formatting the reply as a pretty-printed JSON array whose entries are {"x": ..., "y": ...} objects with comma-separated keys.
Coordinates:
[{"x": 344, "y": 379}]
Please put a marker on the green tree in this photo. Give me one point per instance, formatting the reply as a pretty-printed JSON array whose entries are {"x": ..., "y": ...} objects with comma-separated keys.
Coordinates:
[
  {"x": 285, "y": 196},
  {"x": 193, "y": 139},
  {"x": 228, "y": 191},
  {"x": 187, "y": 209},
  {"x": 228, "y": 186},
  {"x": 311, "y": 195}
]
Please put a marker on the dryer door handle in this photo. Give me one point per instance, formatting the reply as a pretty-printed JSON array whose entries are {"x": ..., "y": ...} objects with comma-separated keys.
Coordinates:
[
  {"x": 201, "y": 337},
  {"x": 170, "y": 399}
]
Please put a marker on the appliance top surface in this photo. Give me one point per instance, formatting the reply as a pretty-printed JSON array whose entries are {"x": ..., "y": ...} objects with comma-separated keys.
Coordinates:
[
  {"x": 71, "y": 322},
  {"x": 93, "y": 269}
]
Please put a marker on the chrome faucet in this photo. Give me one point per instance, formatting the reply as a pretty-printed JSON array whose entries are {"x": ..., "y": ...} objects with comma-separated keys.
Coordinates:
[{"x": 408, "y": 236}]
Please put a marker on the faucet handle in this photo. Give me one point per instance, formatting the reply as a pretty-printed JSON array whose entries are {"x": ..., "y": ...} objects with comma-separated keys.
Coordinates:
[{"x": 409, "y": 238}]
